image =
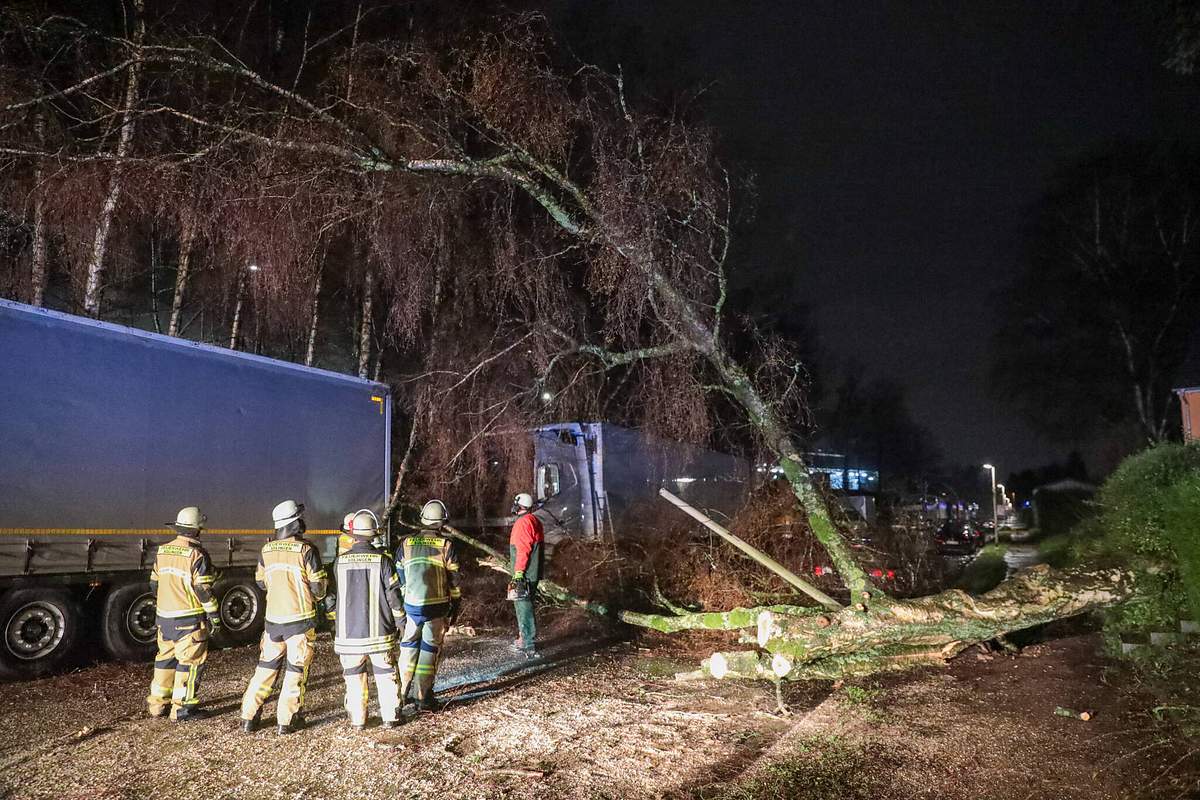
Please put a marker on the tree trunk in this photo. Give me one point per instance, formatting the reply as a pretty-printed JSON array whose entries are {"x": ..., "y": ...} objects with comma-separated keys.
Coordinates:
[
  {"x": 734, "y": 619},
  {"x": 154, "y": 265},
  {"x": 364, "y": 332},
  {"x": 946, "y": 622},
  {"x": 37, "y": 267},
  {"x": 94, "y": 284},
  {"x": 402, "y": 472},
  {"x": 236, "y": 326},
  {"x": 803, "y": 642},
  {"x": 765, "y": 420},
  {"x": 314, "y": 319},
  {"x": 187, "y": 232}
]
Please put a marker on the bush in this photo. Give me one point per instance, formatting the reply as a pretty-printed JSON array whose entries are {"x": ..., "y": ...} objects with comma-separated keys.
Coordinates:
[
  {"x": 1149, "y": 521},
  {"x": 1136, "y": 500},
  {"x": 1183, "y": 532}
]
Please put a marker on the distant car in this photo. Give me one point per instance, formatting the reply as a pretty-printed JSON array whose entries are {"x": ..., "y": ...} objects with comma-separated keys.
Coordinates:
[{"x": 956, "y": 537}]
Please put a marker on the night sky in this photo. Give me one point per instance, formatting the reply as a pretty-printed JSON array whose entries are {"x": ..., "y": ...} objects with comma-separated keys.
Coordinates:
[{"x": 897, "y": 148}]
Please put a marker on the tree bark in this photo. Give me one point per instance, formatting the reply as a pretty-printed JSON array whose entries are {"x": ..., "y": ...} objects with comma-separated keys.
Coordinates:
[
  {"x": 235, "y": 327},
  {"x": 947, "y": 622},
  {"x": 364, "y": 332},
  {"x": 154, "y": 265},
  {"x": 37, "y": 266},
  {"x": 314, "y": 319},
  {"x": 187, "y": 233},
  {"x": 733, "y": 619},
  {"x": 94, "y": 284}
]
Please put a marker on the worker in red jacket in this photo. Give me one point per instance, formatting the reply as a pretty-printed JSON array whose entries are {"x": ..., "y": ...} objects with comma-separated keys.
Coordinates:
[{"x": 526, "y": 548}]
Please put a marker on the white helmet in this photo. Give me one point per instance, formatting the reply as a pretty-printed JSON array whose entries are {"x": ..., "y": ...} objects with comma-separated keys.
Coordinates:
[
  {"x": 286, "y": 513},
  {"x": 433, "y": 514},
  {"x": 364, "y": 525},
  {"x": 190, "y": 517},
  {"x": 348, "y": 522},
  {"x": 523, "y": 502}
]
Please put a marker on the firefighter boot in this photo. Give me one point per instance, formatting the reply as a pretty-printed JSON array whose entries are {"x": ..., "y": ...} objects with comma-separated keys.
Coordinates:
[
  {"x": 296, "y": 723},
  {"x": 190, "y": 714}
]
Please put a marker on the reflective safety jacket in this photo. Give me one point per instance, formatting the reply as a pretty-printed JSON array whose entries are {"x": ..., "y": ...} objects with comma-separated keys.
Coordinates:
[
  {"x": 290, "y": 572},
  {"x": 367, "y": 605},
  {"x": 428, "y": 569},
  {"x": 182, "y": 580}
]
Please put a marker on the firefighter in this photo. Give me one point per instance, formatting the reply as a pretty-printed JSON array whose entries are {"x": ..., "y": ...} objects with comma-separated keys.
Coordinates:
[
  {"x": 428, "y": 571},
  {"x": 346, "y": 539},
  {"x": 291, "y": 573},
  {"x": 182, "y": 581},
  {"x": 526, "y": 549},
  {"x": 371, "y": 609}
]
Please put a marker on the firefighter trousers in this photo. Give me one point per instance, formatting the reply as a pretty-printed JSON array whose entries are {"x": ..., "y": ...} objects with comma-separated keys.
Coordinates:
[
  {"x": 292, "y": 655},
  {"x": 383, "y": 668},
  {"x": 420, "y": 651},
  {"x": 178, "y": 666}
]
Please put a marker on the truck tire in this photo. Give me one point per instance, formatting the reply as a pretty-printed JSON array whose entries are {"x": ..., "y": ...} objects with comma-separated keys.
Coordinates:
[
  {"x": 242, "y": 606},
  {"x": 38, "y": 631},
  {"x": 127, "y": 622}
]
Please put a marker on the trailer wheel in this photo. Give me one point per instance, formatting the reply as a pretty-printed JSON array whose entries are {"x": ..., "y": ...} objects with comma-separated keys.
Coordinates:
[
  {"x": 242, "y": 606},
  {"x": 128, "y": 626},
  {"x": 38, "y": 631}
]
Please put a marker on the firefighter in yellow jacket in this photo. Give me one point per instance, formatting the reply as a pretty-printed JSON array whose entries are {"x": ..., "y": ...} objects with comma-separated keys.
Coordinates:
[
  {"x": 182, "y": 581},
  {"x": 428, "y": 571},
  {"x": 368, "y": 609},
  {"x": 291, "y": 573}
]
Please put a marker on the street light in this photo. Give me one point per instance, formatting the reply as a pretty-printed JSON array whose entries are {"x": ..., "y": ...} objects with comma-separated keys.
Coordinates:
[{"x": 995, "y": 526}]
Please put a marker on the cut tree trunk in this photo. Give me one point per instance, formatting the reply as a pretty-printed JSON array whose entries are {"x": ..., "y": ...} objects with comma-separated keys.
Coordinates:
[
  {"x": 807, "y": 642},
  {"x": 927, "y": 629},
  {"x": 733, "y": 619}
]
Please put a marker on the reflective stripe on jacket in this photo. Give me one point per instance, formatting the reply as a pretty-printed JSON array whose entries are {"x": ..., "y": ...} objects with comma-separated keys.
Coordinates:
[
  {"x": 182, "y": 577},
  {"x": 290, "y": 572},
  {"x": 428, "y": 570},
  {"x": 367, "y": 603}
]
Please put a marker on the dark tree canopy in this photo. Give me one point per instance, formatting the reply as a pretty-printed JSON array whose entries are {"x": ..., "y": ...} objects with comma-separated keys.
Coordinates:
[{"x": 1095, "y": 325}]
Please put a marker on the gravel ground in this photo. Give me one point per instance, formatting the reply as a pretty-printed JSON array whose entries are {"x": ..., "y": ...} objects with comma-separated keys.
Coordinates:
[
  {"x": 604, "y": 720},
  {"x": 591, "y": 720}
]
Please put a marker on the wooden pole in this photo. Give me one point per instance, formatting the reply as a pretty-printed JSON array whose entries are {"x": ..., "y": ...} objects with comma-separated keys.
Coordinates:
[{"x": 754, "y": 553}]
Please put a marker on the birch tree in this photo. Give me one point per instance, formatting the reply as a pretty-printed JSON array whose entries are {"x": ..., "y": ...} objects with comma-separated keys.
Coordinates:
[{"x": 126, "y": 118}]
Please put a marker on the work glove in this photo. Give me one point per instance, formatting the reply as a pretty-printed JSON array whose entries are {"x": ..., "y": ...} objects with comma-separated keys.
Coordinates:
[{"x": 214, "y": 623}]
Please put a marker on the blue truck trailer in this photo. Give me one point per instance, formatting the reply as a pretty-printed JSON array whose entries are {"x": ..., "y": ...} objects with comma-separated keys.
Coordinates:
[{"x": 106, "y": 431}]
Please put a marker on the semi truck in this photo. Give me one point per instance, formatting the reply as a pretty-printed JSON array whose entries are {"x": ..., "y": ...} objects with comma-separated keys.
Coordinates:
[
  {"x": 592, "y": 479},
  {"x": 106, "y": 431}
]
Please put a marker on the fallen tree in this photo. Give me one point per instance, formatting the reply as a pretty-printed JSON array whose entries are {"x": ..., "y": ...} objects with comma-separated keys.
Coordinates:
[{"x": 878, "y": 634}]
